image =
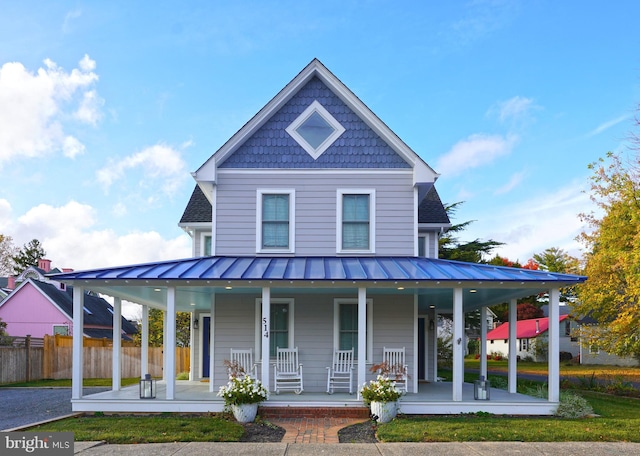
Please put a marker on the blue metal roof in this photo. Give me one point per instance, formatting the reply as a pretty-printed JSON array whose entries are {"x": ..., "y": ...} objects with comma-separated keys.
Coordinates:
[{"x": 241, "y": 268}]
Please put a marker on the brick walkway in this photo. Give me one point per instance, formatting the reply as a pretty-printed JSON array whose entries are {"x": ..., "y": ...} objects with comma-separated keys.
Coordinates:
[
  {"x": 313, "y": 430},
  {"x": 313, "y": 424}
]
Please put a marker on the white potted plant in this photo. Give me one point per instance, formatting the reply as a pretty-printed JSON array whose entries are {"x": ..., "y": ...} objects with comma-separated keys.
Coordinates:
[
  {"x": 242, "y": 395},
  {"x": 381, "y": 395}
]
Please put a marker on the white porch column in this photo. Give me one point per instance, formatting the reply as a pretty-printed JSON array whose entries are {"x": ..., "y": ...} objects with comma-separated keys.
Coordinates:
[
  {"x": 458, "y": 337},
  {"x": 553, "y": 355},
  {"x": 170, "y": 344},
  {"x": 415, "y": 370},
  {"x": 78, "y": 343},
  {"x": 117, "y": 345},
  {"x": 483, "y": 342},
  {"x": 193, "y": 340},
  {"x": 362, "y": 338},
  {"x": 164, "y": 340},
  {"x": 212, "y": 336},
  {"x": 265, "y": 325},
  {"x": 513, "y": 346},
  {"x": 144, "y": 349},
  {"x": 434, "y": 346}
]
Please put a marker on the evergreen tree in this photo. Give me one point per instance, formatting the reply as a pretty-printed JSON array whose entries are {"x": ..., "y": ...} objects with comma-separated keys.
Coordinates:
[{"x": 27, "y": 256}]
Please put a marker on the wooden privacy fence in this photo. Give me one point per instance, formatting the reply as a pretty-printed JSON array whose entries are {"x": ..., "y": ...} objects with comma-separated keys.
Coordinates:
[
  {"x": 21, "y": 360},
  {"x": 53, "y": 360}
]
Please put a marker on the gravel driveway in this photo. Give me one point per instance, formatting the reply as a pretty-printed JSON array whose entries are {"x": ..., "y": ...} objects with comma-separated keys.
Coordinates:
[{"x": 23, "y": 406}]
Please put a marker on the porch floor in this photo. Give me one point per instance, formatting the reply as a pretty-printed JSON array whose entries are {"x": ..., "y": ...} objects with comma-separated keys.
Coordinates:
[{"x": 432, "y": 398}]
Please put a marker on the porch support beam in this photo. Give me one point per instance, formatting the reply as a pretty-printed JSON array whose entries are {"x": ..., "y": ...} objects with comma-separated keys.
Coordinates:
[
  {"x": 483, "y": 342},
  {"x": 144, "y": 349},
  {"x": 211, "y": 342},
  {"x": 415, "y": 369},
  {"x": 513, "y": 346},
  {"x": 265, "y": 324},
  {"x": 170, "y": 344},
  {"x": 553, "y": 355},
  {"x": 117, "y": 345},
  {"x": 77, "y": 355},
  {"x": 434, "y": 346},
  {"x": 458, "y": 337},
  {"x": 362, "y": 338},
  {"x": 193, "y": 340}
]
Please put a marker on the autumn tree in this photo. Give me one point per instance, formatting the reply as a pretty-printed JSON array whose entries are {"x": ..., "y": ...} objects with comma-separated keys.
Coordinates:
[
  {"x": 156, "y": 329},
  {"x": 7, "y": 251},
  {"x": 611, "y": 295},
  {"x": 27, "y": 256}
]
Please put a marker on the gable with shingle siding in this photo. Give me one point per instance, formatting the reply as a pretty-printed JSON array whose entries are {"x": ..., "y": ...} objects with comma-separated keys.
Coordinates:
[{"x": 272, "y": 147}]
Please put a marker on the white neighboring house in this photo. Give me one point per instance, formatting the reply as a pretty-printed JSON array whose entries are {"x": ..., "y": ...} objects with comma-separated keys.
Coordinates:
[{"x": 531, "y": 333}]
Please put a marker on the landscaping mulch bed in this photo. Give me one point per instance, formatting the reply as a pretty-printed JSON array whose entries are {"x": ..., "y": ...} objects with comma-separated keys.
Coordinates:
[
  {"x": 358, "y": 433},
  {"x": 266, "y": 432}
]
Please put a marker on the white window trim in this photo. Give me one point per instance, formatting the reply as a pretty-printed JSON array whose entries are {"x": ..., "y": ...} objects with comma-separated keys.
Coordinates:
[
  {"x": 372, "y": 218},
  {"x": 258, "y": 322},
  {"x": 315, "y": 107},
  {"x": 292, "y": 219},
  {"x": 336, "y": 324},
  {"x": 203, "y": 235}
]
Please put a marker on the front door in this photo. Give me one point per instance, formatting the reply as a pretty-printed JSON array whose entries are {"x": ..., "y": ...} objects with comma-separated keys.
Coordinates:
[{"x": 206, "y": 337}]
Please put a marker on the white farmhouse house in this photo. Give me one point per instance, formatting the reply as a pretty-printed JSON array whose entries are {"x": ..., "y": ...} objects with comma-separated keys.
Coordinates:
[{"x": 315, "y": 227}]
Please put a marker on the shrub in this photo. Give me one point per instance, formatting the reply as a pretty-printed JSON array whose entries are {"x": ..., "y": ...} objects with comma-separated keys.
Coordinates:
[
  {"x": 565, "y": 356},
  {"x": 573, "y": 406}
]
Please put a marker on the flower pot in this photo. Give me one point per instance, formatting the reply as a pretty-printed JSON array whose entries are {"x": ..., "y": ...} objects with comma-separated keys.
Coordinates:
[
  {"x": 245, "y": 413},
  {"x": 383, "y": 412}
]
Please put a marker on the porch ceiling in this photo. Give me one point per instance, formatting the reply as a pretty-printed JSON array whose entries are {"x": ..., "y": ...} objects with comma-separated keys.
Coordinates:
[{"x": 432, "y": 280}]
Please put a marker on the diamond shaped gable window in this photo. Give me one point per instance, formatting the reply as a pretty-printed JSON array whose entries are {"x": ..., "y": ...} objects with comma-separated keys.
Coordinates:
[{"x": 315, "y": 129}]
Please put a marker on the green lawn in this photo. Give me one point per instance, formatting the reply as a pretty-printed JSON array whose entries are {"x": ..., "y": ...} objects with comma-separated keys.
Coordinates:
[
  {"x": 619, "y": 420},
  {"x": 165, "y": 427}
]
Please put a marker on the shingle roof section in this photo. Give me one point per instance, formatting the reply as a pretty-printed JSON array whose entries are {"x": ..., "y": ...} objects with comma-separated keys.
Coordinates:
[
  {"x": 198, "y": 208},
  {"x": 431, "y": 209},
  {"x": 272, "y": 147},
  {"x": 99, "y": 313}
]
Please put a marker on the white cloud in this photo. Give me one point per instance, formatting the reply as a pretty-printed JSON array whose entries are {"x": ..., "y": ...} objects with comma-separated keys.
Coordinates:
[
  {"x": 514, "y": 108},
  {"x": 72, "y": 147},
  {"x": 35, "y": 107},
  {"x": 70, "y": 239},
  {"x": 476, "y": 150},
  {"x": 514, "y": 181},
  {"x": 68, "y": 19},
  {"x": 159, "y": 162},
  {"x": 545, "y": 220},
  {"x": 608, "y": 124}
]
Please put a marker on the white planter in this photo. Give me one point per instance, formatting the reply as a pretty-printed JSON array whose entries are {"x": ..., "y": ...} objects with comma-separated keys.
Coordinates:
[
  {"x": 384, "y": 411},
  {"x": 245, "y": 413}
]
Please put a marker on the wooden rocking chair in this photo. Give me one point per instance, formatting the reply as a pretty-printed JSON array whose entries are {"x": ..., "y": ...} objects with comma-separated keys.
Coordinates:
[
  {"x": 394, "y": 366},
  {"x": 287, "y": 371},
  {"x": 242, "y": 363},
  {"x": 340, "y": 374}
]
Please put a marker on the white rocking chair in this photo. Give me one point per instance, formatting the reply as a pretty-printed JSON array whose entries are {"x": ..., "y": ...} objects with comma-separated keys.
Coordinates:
[
  {"x": 340, "y": 374},
  {"x": 242, "y": 363},
  {"x": 393, "y": 359},
  {"x": 287, "y": 371}
]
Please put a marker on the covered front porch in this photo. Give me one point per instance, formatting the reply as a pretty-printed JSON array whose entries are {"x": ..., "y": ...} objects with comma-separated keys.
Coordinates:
[
  {"x": 401, "y": 291},
  {"x": 431, "y": 399}
]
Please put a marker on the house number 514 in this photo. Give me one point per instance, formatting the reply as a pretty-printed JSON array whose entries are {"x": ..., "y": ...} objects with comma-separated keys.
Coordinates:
[{"x": 266, "y": 328}]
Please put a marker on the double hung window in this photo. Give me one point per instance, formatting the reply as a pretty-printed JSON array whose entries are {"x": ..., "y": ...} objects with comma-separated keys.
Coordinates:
[
  {"x": 346, "y": 326},
  {"x": 355, "y": 231},
  {"x": 275, "y": 228}
]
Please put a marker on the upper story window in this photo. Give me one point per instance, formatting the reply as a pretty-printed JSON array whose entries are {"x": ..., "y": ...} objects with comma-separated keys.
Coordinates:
[
  {"x": 275, "y": 230},
  {"x": 315, "y": 129},
  {"x": 205, "y": 244},
  {"x": 356, "y": 219}
]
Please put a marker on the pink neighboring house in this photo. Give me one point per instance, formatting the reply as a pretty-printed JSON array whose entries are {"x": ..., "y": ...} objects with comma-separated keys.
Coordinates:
[{"x": 39, "y": 306}]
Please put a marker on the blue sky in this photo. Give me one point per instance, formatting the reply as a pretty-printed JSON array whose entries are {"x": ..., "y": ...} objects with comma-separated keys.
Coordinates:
[{"x": 106, "y": 107}]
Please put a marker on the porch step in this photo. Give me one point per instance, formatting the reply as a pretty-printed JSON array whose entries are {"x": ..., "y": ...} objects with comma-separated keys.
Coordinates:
[{"x": 314, "y": 412}]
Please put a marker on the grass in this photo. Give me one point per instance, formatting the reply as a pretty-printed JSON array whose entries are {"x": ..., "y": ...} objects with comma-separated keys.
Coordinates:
[
  {"x": 87, "y": 382},
  {"x": 619, "y": 420},
  {"x": 566, "y": 368},
  {"x": 162, "y": 428}
]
